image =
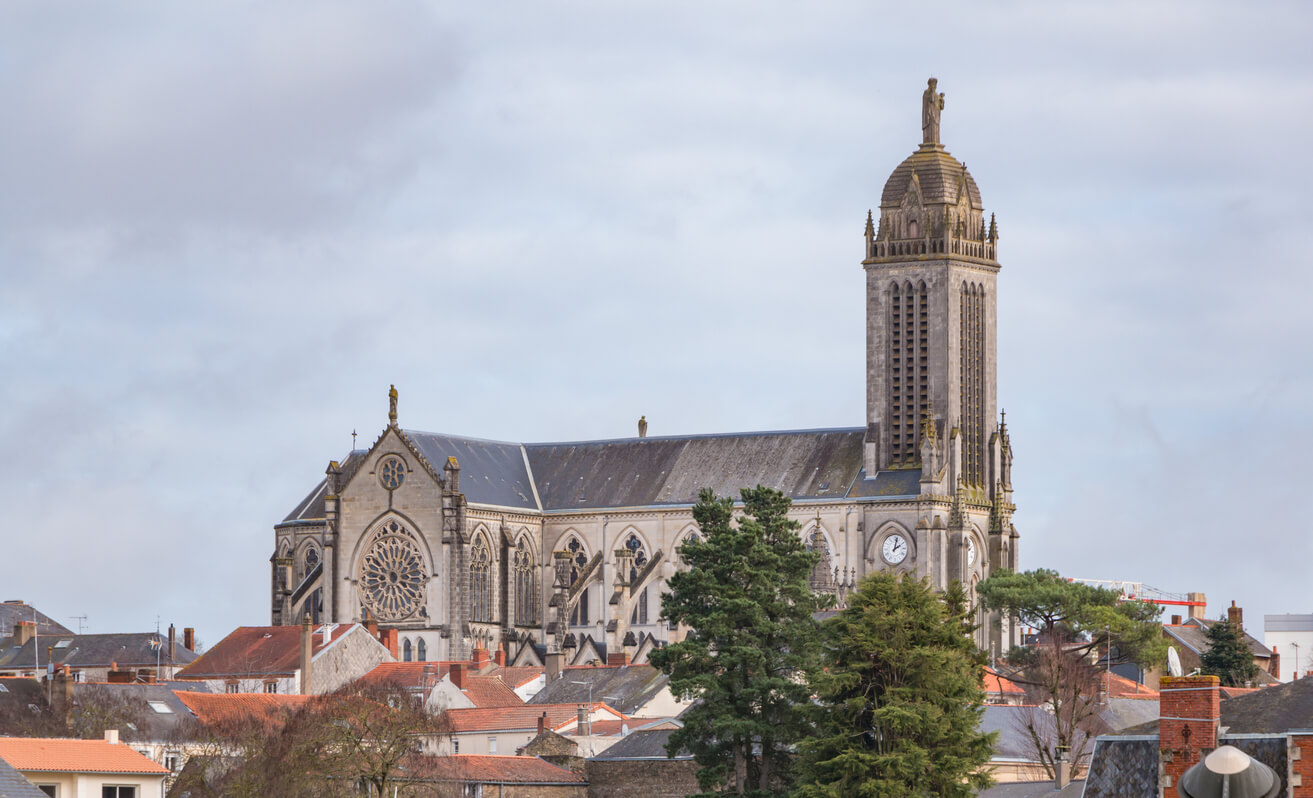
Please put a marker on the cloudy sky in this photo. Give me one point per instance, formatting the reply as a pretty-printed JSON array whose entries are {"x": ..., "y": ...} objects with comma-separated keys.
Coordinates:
[{"x": 225, "y": 229}]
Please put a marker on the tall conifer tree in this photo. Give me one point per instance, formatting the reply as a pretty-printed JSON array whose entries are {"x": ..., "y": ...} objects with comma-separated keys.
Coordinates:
[
  {"x": 900, "y": 698},
  {"x": 1228, "y": 656},
  {"x": 751, "y": 645}
]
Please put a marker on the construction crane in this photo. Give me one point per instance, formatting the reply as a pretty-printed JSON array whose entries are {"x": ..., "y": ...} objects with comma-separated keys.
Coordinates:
[{"x": 1138, "y": 591}]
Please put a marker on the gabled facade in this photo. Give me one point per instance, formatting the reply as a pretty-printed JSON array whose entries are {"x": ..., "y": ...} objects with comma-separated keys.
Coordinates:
[
  {"x": 531, "y": 549},
  {"x": 307, "y": 659}
]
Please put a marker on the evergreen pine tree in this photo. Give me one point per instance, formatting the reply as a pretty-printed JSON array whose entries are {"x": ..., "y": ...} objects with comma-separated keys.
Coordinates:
[
  {"x": 900, "y": 698},
  {"x": 1228, "y": 656},
  {"x": 751, "y": 643}
]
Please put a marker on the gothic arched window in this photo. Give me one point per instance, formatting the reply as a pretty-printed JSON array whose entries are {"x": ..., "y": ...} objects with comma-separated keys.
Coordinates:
[
  {"x": 405, "y": 650},
  {"x": 640, "y": 555},
  {"x": 421, "y": 653},
  {"x": 311, "y": 559},
  {"x": 481, "y": 582},
  {"x": 526, "y": 585},
  {"x": 578, "y": 559}
]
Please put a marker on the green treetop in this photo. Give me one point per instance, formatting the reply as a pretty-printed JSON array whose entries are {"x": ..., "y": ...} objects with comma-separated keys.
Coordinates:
[
  {"x": 751, "y": 644},
  {"x": 900, "y": 698},
  {"x": 1075, "y": 625},
  {"x": 1228, "y": 656}
]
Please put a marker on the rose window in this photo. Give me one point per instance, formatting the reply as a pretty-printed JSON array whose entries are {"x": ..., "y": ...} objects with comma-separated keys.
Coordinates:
[
  {"x": 392, "y": 472},
  {"x": 392, "y": 575}
]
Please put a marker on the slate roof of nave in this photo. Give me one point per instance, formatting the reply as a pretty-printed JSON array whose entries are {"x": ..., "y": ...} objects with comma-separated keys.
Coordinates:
[{"x": 655, "y": 471}]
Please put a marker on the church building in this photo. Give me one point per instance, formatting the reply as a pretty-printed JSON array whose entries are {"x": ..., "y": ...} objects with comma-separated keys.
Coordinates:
[{"x": 529, "y": 549}]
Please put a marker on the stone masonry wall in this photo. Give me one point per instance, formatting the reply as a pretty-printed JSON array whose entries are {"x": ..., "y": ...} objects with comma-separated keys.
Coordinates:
[{"x": 642, "y": 778}]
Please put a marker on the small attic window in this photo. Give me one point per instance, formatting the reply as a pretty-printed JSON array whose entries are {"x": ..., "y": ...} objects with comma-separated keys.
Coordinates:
[
  {"x": 3, "y": 689},
  {"x": 63, "y": 643},
  {"x": 160, "y": 707}
]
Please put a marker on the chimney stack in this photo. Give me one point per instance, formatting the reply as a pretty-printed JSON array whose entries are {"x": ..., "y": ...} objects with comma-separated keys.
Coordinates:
[
  {"x": 1061, "y": 769},
  {"x": 457, "y": 675},
  {"x": 112, "y": 736},
  {"x": 23, "y": 632},
  {"x": 388, "y": 637},
  {"x": 173, "y": 645},
  {"x": 307, "y": 651},
  {"x": 481, "y": 658},
  {"x": 617, "y": 658},
  {"x": 189, "y": 638},
  {"x": 542, "y": 722},
  {"x": 1235, "y": 616},
  {"x": 1189, "y": 712},
  {"x": 62, "y": 693},
  {"x": 584, "y": 725},
  {"x": 555, "y": 665},
  {"x": 1176, "y": 620}
]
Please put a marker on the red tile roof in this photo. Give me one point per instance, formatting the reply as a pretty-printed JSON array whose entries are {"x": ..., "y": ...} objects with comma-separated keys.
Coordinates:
[
  {"x": 226, "y": 708},
  {"x": 488, "y": 769},
  {"x": 524, "y": 717},
  {"x": 518, "y": 676},
  {"x": 259, "y": 651},
  {"x": 490, "y": 691},
  {"x": 994, "y": 683},
  {"x": 412, "y": 675},
  {"x": 1121, "y": 687},
  {"x": 57, "y": 755}
]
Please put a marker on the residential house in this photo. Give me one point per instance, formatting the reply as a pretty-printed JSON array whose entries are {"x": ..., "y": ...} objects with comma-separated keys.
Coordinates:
[
  {"x": 485, "y": 776},
  {"x": 14, "y": 785},
  {"x": 1271, "y": 725},
  {"x": 503, "y": 730},
  {"x": 123, "y": 657},
  {"x": 634, "y": 690},
  {"x": 288, "y": 659},
  {"x": 64, "y": 768},
  {"x": 638, "y": 767},
  {"x": 1189, "y": 637}
]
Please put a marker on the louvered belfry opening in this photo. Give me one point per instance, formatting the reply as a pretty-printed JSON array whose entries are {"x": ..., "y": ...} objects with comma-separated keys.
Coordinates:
[
  {"x": 971, "y": 366},
  {"x": 909, "y": 361}
]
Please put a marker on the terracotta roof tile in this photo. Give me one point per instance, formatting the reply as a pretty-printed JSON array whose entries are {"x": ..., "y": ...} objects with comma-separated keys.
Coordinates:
[
  {"x": 50, "y": 755},
  {"x": 257, "y": 651},
  {"x": 995, "y": 683},
  {"x": 517, "y": 677},
  {"x": 412, "y": 675},
  {"x": 525, "y": 717},
  {"x": 487, "y": 769},
  {"x": 225, "y": 708},
  {"x": 490, "y": 691}
]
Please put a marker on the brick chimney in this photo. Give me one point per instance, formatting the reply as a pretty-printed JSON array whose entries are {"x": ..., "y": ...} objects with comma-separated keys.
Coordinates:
[
  {"x": 307, "y": 652},
  {"x": 189, "y": 638},
  {"x": 542, "y": 722},
  {"x": 1274, "y": 664},
  {"x": 1176, "y": 620},
  {"x": 499, "y": 656},
  {"x": 1189, "y": 708},
  {"x": 1235, "y": 616},
  {"x": 481, "y": 658},
  {"x": 457, "y": 675},
  {"x": 617, "y": 658},
  {"x": 555, "y": 665},
  {"x": 388, "y": 637},
  {"x": 23, "y": 632},
  {"x": 62, "y": 694}
]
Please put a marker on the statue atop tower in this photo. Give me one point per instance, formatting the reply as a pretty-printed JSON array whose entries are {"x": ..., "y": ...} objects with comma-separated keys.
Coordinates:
[{"x": 931, "y": 104}]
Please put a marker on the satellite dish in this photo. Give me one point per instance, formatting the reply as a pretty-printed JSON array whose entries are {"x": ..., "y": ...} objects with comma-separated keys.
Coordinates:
[{"x": 1173, "y": 662}]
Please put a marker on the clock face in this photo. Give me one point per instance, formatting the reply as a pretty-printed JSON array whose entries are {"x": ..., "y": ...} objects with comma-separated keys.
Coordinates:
[
  {"x": 971, "y": 551},
  {"x": 894, "y": 549}
]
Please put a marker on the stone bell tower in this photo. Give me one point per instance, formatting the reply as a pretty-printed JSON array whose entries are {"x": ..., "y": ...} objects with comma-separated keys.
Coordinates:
[
  {"x": 931, "y": 365},
  {"x": 931, "y": 274}
]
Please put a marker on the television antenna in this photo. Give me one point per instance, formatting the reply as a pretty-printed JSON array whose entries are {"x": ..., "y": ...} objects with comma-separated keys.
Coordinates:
[{"x": 82, "y": 622}]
